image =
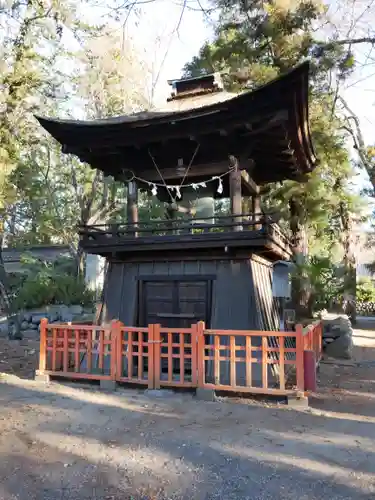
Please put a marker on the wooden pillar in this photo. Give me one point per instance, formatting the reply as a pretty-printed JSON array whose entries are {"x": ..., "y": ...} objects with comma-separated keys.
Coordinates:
[
  {"x": 256, "y": 210},
  {"x": 235, "y": 193},
  {"x": 132, "y": 207}
]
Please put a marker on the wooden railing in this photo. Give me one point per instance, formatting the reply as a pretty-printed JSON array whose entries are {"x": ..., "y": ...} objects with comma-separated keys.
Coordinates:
[
  {"x": 312, "y": 337},
  {"x": 254, "y": 361},
  {"x": 226, "y": 360},
  {"x": 77, "y": 351},
  {"x": 196, "y": 225}
]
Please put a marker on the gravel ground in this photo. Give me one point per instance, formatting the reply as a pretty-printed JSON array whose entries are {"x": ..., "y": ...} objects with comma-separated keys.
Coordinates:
[{"x": 74, "y": 443}]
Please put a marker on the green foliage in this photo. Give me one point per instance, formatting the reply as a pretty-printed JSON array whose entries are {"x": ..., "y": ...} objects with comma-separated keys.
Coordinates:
[
  {"x": 366, "y": 291},
  {"x": 50, "y": 283},
  {"x": 323, "y": 279}
]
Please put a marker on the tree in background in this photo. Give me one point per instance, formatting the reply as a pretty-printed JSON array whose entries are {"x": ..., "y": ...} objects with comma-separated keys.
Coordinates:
[
  {"x": 27, "y": 29},
  {"x": 256, "y": 41},
  {"x": 56, "y": 192}
]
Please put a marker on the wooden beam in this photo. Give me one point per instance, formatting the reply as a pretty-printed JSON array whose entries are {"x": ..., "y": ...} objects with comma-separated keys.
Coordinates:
[
  {"x": 235, "y": 192},
  {"x": 132, "y": 203},
  {"x": 256, "y": 209},
  {"x": 201, "y": 170},
  {"x": 248, "y": 183}
]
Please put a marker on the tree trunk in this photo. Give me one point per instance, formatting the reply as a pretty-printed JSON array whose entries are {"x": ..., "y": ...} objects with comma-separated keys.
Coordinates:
[
  {"x": 350, "y": 276},
  {"x": 81, "y": 264},
  {"x": 300, "y": 288}
]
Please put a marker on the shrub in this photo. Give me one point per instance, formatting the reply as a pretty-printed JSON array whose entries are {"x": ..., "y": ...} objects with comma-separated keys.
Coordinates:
[
  {"x": 50, "y": 283},
  {"x": 323, "y": 280},
  {"x": 365, "y": 291}
]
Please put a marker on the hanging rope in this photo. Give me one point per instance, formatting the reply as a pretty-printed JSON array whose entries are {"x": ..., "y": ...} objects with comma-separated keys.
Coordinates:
[
  {"x": 191, "y": 161},
  {"x": 194, "y": 185},
  {"x": 161, "y": 177},
  {"x": 177, "y": 188}
]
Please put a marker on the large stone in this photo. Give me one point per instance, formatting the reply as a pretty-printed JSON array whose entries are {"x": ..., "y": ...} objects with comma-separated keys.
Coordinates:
[
  {"x": 340, "y": 348},
  {"x": 66, "y": 316},
  {"x": 84, "y": 319},
  {"x": 27, "y": 317},
  {"x": 336, "y": 327},
  {"x": 24, "y": 325},
  {"x": 37, "y": 318},
  {"x": 33, "y": 326},
  {"x": 54, "y": 309},
  {"x": 76, "y": 309}
]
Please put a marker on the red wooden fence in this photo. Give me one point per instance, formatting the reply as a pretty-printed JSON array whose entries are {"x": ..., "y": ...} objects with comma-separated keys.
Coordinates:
[{"x": 226, "y": 360}]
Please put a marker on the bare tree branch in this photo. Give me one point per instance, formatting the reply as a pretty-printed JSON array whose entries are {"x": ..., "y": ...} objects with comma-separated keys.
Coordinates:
[{"x": 354, "y": 128}]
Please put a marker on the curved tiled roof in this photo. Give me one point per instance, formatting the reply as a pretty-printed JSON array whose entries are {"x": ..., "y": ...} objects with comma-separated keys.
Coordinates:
[{"x": 269, "y": 125}]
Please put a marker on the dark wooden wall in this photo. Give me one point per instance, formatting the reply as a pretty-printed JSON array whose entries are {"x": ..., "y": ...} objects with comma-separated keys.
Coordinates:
[
  {"x": 241, "y": 291},
  {"x": 241, "y": 296}
]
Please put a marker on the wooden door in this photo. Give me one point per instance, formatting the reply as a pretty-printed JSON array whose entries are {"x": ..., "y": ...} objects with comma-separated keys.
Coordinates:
[{"x": 175, "y": 303}]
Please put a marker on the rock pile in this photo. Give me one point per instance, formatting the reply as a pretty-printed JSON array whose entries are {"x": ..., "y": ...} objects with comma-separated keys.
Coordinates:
[
  {"x": 366, "y": 308},
  {"x": 30, "y": 320},
  {"x": 338, "y": 337}
]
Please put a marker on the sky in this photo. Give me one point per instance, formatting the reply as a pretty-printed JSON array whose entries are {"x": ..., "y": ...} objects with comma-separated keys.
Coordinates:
[{"x": 160, "y": 18}]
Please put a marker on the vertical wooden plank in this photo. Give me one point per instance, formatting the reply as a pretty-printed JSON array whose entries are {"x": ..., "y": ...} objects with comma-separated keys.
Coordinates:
[
  {"x": 43, "y": 345},
  {"x": 217, "y": 360},
  {"x": 151, "y": 357},
  {"x": 198, "y": 362},
  {"x": 59, "y": 349},
  {"x": 88, "y": 350},
  {"x": 281, "y": 363},
  {"x": 156, "y": 367},
  {"x": 140, "y": 355},
  {"x": 54, "y": 342},
  {"x": 182, "y": 357},
  {"x": 130, "y": 355},
  {"x": 118, "y": 353},
  {"x": 132, "y": 207},
  {"x": 114, "y": 335},
  {"x": 170, "y": 359},
  {"x": 66, "y": 351},
  {"x": 299, "y": 358},
  {"x": 101, "y": 349},
  {"x": 232, "y": 347},
  {"x": 320, "y": 340},
  {"x": 256, "y": 209},
  {"x": 264, "y": 362},
  {"x": 248, "y": 362},
  {"x": 76, "y": 349},
  {"x": 235, "y": 196}
]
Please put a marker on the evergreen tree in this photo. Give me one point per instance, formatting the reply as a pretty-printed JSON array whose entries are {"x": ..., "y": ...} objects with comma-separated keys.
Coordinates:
[{"x": 255, "y": 41}]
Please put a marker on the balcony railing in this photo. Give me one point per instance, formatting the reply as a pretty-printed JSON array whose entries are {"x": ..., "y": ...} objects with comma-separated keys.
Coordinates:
[{"x": 244, "y": 226}]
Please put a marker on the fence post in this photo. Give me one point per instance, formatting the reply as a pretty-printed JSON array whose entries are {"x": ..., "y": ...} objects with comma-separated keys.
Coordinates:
[
  {"x": 299, "y": 358},
  {"x": 116, "y": 349},
  {"x": 320, "y": 341},
  {"x": 154, "y": 370},
  {"x": 309, "y": 360},
  {"x": 43, "y": 346},
  {"x": 200, "y": 353}
]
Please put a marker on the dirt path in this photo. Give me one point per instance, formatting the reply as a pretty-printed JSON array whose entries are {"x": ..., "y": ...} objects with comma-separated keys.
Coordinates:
[
  {"x": 349, "y": 386},
  {"x": 61, "y": 442}
]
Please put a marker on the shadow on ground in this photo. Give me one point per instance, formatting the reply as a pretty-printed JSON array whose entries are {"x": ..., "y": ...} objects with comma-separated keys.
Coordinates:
[
  {"x": 349, "y": 386},
  {"x": 61, "y": 442}
]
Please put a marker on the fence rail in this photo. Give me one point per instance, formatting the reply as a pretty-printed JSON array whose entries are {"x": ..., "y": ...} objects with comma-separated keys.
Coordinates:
[
  {"x": 312, "y": 337},
  {"x": 260, "y": 362}
]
